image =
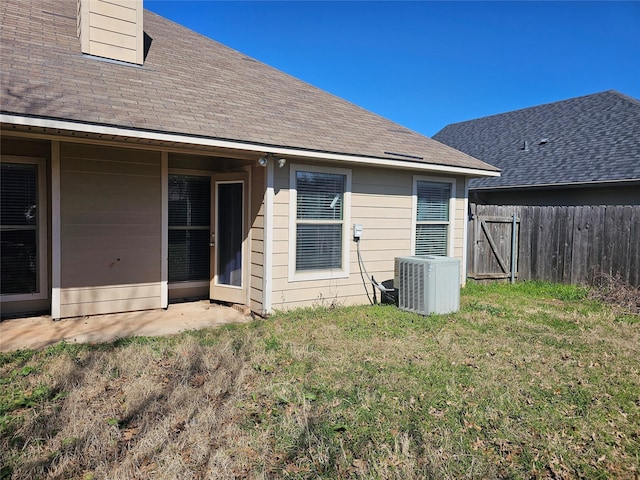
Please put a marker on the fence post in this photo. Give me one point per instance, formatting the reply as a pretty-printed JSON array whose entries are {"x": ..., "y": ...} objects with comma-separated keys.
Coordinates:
[
  {"x": 514, "y": 248},
  {"x": 475, "y": 239}
]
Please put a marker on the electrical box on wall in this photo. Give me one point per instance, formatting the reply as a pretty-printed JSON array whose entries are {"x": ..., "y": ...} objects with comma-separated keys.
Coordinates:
[{"x": 357, "y": 231}]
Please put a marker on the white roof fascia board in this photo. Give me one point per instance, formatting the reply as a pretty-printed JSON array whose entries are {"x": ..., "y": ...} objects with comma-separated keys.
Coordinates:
[{"x": 238, "y": 145}]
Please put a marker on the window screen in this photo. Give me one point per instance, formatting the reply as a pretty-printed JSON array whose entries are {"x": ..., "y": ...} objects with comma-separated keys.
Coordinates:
[
  {"x": 320, "y": 219},
  {"x": 432, "y": 218},
  {"x": 19, "y": 228}
]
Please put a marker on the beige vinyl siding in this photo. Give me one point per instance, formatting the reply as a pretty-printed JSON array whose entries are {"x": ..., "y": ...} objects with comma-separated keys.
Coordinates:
[
  {"x": 256, "y": 224},
  {"x": 381, "y": 200},
  {"x": 112, "y": 29},
  {"x": 110, "y": 230},
  {"x": 280, "y": 223},
  {"x": 113, "y": 298}
]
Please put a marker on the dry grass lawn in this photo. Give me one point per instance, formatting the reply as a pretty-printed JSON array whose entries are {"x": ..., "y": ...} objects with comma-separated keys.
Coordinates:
[{"x": 527, "y": 381}]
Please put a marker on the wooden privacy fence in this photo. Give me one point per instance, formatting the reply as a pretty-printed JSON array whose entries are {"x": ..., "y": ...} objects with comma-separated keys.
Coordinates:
[{"x": 558, "y": 244}]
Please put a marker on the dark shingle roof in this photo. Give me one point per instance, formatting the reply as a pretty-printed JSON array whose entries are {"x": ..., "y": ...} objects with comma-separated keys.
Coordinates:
[
  {"x": 593, "y": 138},
  {"x": 188, "y": 85}
]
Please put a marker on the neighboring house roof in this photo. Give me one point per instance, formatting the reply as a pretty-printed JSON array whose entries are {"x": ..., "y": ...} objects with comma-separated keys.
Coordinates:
[
  {"x": 192, "y": 86},
  {"x": 595, "y": 138}
]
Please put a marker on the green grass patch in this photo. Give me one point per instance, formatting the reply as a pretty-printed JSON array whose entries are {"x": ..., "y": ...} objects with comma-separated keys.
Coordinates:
[
  {"x": 531, "y": 380},
  {"x": 530, "y": 289}
]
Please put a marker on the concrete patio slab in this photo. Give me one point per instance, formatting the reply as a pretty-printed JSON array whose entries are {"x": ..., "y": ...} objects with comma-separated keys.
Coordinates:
[{"x": 41, "y": 332}]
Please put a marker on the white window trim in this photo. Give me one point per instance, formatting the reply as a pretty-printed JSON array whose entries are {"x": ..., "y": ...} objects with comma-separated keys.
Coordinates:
[
  {"x": 43, "y": 284},
  {"x": 452, "y": 210},
  {"x": 346, "y": 219},
  {"x": 173, "y": 286}
]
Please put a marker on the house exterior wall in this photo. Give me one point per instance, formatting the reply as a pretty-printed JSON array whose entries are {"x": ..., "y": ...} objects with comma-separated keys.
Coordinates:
[
  {"x": 381, "y": 201},
  {"x": 111, "y": 227},
  {"x": 110, "y": 223},
  {"x": 110, "y": 230}
]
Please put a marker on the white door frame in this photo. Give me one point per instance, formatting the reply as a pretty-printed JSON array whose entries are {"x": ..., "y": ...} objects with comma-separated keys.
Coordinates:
[{"x": 217, "y": 290}]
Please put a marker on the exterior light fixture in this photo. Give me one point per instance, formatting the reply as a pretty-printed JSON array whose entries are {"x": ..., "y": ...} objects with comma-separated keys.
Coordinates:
[{"x": 267, "y": 157}]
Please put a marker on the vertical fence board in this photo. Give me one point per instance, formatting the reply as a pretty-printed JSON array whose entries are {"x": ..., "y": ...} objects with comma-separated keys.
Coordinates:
[
  {"x": 621, "y": 261},
  {"x": 518, "y": 212},
  {"x": 474, "y": 244},
  {"x": 576, "y": 257},
  {"x": 524, "y": 243},
  {"x": 596, "y": 243},
  {"x": 559, "y": 221},
  {"x": 580, "y": 244},
  {"x": 546, "y": 255},
  {"x": 535, "y": 241},
  {"x": 567, "y": 244},
  {"x": 609, "y": 240},
  {"x": 548, "y": 247}
]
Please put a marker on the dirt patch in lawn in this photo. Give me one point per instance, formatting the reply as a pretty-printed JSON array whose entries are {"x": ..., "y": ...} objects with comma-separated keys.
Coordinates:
[{"x": 614, "y": 291}]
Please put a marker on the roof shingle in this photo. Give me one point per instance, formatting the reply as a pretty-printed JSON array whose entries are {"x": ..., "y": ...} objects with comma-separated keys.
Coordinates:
[
  {"x": 188, "y": 85},
  {"x": 594, "y": 138}
]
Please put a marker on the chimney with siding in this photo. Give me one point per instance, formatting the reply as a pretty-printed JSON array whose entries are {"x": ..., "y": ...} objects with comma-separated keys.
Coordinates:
[{"x": 112, "y": 29}]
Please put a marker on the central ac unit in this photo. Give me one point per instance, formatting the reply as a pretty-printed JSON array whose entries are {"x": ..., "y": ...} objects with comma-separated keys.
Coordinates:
[{"x": 428, "y": 284}]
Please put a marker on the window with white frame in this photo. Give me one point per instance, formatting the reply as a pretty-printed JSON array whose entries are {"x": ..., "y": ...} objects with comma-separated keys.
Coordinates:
[
  {"x": 433, "y": 216},
  {"x": 320, "y": 210}
]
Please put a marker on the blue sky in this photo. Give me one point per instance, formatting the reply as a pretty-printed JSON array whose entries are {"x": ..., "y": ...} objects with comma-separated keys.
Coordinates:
[{"x": 427, "y": 64}]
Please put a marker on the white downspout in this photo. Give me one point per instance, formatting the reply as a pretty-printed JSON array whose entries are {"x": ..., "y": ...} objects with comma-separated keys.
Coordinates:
[
  {"x": 267, "y": 291},
  {"x": 465, "y": 236},
  {"x": 55, "y": 231},
  {"x": 164, "y": 236}
]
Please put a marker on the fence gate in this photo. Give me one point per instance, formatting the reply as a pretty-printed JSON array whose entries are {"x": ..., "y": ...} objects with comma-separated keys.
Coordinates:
[{"x": 493, "y": 249}]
